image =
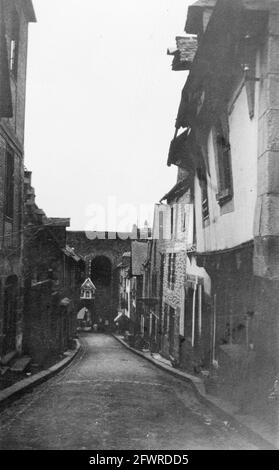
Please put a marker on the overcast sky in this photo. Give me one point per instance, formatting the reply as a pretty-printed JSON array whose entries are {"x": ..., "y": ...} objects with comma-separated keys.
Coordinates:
[{"x": 101, "y": 106}]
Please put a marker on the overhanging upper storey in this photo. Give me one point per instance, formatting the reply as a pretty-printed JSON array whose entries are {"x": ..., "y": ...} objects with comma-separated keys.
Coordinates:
[
  {"x": 177, "y": 191},
  {"x": 189, "y": 151},
  {"x": 198, "y": 16},
  {"x": 29, "y": 11},
  {"x": 225, "y": 53},
  {"x": 180, "y": 151}
]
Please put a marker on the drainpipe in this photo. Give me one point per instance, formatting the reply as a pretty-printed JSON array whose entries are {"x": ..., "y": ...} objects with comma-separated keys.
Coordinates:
[
  {"x": 200, "y": 310},
  {"x": 214, "y": 329},
  {"x": 194, "y": 313}
]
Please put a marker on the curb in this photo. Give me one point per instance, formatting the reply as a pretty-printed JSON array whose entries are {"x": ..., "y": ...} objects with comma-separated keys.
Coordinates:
[
  {"x": 15, "y": 391},
  {"x": 222, "y": 410}
]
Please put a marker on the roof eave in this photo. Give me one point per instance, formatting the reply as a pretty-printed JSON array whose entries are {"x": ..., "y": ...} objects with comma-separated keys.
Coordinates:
[
  {"x": 194, "y": 21},
  {"x": 185, "y": 184},
  {"x": 29, "y": 11}
]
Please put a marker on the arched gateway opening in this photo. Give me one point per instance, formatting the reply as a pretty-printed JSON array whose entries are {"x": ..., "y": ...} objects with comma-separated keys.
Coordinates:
[
  {"x": 101, "y": 271},
  {"x": 101, "y": 275}
]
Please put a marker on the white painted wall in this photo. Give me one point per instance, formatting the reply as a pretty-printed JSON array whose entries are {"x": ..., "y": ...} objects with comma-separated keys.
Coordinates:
[
  {"x": 164, "y": 208},
  {"x": 194, "y": 270},
  {"x": 235, "y": 227}
]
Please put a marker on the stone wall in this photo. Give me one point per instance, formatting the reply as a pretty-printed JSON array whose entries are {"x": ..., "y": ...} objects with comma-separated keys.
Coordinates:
[
  {"x": 12, "y": 134},
  {"x": 266, "y": 227},
  {"x": 172, "y": 299},
  {"x": 112, "y": 247},
  {"x": 48, "y": 326},
  {"x": 247, "y": 325}
]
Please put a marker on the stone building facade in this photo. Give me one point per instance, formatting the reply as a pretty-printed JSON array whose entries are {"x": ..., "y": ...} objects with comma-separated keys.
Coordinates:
[
  {"x": 102, "y": 252},
  {"x": 174, "y": 273},
  {"x": 151, "y": 302},
  {"x": 15, "y": 15},
  {"x": 138, "y": 257},
  {"x": 53, "y": 274},
  {"x": 229, "y": 116}
]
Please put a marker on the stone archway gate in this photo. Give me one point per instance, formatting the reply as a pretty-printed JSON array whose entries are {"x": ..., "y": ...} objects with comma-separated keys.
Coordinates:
[{"x": 112, "y": 245}]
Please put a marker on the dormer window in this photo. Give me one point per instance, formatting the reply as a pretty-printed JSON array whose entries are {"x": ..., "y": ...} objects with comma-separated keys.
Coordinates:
[{"x": 172, "y": 221}]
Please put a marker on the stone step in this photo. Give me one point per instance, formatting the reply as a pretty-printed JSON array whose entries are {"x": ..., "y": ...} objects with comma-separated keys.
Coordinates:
[
  {"x": 20, "y": 364},
  {"x": 7, "y": 358},
  {"x": 3, "y": 370}
]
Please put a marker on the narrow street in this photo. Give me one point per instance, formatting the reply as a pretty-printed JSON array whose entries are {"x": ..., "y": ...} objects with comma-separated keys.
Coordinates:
[{"x": 109, "y": 398}]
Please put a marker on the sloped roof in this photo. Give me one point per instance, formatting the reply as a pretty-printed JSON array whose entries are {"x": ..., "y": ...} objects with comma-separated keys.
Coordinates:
[
  {"x": 29, "y": 11},
  {"x": 195, "y": 12},
  {"x": 139, "y": 254},
  {"x": 178, "y": 190},
  {"x": 88, "y": 284},
  {"x": 58, "y": 221}
]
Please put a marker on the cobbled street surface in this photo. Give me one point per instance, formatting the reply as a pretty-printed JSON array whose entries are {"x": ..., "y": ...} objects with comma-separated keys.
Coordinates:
[{"x": 110, "y": 398}]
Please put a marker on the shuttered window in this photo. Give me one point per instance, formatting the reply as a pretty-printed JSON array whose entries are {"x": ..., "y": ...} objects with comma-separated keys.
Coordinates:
[{"x": 223, "y": 161}]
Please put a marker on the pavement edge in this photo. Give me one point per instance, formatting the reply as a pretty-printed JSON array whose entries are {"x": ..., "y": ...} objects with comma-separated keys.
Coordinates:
[
  {"x": 212, "y": 402},
  {"x": 15, "y": 391}
]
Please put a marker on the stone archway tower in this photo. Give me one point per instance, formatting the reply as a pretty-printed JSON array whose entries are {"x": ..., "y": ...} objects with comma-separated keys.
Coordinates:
[{"x": 108, "y": 246}]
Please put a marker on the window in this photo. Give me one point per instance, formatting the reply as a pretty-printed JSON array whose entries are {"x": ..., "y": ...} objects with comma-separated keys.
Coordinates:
[
  {"x": 173, "y": 277},
  {"x": 9, "y": 184},
  {"x": 161, "y": 225},
  {"x": 165, "y": 318},
  {"x": 204, "y": 193},
  {"x": 183, "y": 217},
  {"x": 154, "y": 254},
  {"x": 172, "y": 220},
  {"x": 154, "y": 285},
  {"x": 171, "y": 270},
  {"x": 223, "y": 161},
  {"x": 140, "y": 286},
  {"x": 14, "y": 43},
  {"x": 171, "y": 329}
]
